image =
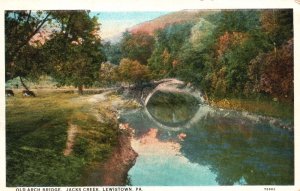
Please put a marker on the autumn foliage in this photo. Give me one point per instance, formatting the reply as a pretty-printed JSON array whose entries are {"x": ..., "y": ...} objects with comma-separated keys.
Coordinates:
[
  {"x": 229, "y": 40},
  {"x": 272, "y": 72},
  {"x": 131, "y": 71}
]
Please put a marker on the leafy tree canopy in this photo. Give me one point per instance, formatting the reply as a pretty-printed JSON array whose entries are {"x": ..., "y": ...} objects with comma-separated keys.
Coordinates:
[
  {"x": 64, "y": 44},
  {"x": 138, "y": 46}
]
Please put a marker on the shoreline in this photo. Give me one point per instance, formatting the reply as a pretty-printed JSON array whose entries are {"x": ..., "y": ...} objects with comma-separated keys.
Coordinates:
[
  {"x": 114, "y": 170},
  {"x": 255, "y": 109},
  {"x": 122, "y": 159}
]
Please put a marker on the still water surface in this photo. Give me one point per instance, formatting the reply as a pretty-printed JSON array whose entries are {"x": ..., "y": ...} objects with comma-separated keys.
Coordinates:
[{"x": 181, "y": 142}]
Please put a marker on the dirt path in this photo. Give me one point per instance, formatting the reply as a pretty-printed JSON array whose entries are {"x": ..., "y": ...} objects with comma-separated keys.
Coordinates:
[
  {"x": 72, "y": 132},
  {"x": 99, "y": 97},
  {"x": 92, "y": 100},
  {"x": 95, "y": 101},
  {"x": 73, "y": 129}
]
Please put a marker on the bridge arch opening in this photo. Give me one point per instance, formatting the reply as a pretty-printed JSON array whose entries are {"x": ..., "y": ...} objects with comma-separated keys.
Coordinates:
[{"x": 175, "y": 86}]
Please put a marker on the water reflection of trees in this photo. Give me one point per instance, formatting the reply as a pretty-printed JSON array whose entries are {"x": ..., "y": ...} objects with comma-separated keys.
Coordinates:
[{"x": 238, "y": 150}]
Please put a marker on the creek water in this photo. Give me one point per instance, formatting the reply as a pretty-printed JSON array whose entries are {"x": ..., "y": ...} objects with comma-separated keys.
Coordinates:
[{"x": 183, "y": 142}]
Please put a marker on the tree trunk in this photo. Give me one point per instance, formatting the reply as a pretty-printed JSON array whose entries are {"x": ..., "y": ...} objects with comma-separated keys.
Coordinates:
[
  {"x": 23, "y": 84},
  {"x": 206, "y": 97},
  {"x": 80, "y": 89}
]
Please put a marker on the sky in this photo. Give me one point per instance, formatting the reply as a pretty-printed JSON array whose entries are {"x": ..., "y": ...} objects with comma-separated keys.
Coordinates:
[{"x": 113, "y": 24}]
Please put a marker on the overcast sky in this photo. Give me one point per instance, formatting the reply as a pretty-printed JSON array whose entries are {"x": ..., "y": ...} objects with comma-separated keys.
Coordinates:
[{"x": 113, "y": 24}]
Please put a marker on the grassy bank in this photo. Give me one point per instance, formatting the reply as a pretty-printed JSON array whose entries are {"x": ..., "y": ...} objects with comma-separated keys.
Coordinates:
[
  {"x": 282, "y": 110},
  {"x": 36, "y": 136}
]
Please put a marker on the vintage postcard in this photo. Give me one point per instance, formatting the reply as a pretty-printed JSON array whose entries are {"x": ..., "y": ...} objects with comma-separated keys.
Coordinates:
[{"x": 140, "y": 95}]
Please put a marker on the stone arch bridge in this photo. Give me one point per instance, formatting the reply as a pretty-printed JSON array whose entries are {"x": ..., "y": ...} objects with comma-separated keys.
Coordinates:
[{"x": 170, "y": 85}]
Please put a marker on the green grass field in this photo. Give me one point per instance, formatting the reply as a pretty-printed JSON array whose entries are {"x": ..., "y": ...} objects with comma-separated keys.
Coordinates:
[{"x": 36, "y": 135}]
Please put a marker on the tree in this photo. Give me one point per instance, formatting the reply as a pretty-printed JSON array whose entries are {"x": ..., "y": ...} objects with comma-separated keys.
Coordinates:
[
  {"x": 277, "y": 25},
  {"x": 272, "y": 72},
  {"x": 108, "y": 73},
  {"x": 195, "y": 55},
  {"x": 138, "y": 46},
  {"x": 64, "y": 44},
  {"x": 237, "y": 21},
  {"x": 168, "y": 44},
  {"x": 237, "y": 40},
  {"x": 131, "y": 71},
  {"x": 23, "y": 32},
  {"x": 113, "y": 52},
  {"x": 76, "y": 52},
  {"x": 200, "y": 33}
]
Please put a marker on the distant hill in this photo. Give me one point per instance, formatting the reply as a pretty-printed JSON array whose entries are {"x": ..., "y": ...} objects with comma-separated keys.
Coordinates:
[{"x": 150, "y": 27}]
